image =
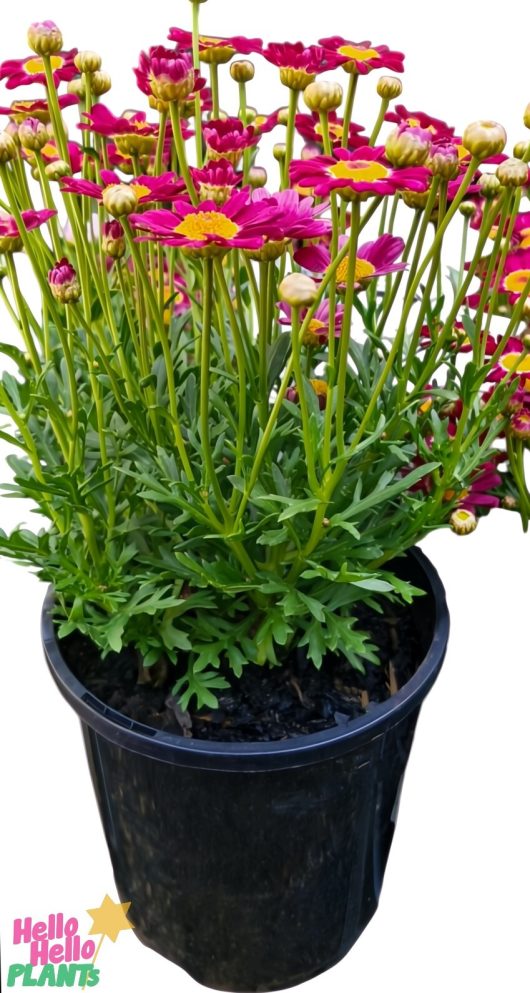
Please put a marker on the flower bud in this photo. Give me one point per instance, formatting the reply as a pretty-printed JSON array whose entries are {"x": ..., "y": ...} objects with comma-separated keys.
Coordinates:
[
  {"x": 12, "y": 129},
  {"x": 512, "y": 172},
  {"x": 521, "y": 150},
  {"x": 10, "y": 244},
  {"x": 269, "y": 251},
  {"x": 257, "y": 177},
  {"x": 525, "y": 338},
  {"x": 119, "y": 200},
  {"x": 57, "y": 169},
  {"x": 443, "y": 161},
  {"x": 298, "y": 290},
  {"x": 526, "y": 116},
  {"x": 408, "y": 146},
  {"x": 416, "y": 200},
  {"x": 484, "y": 138},
  {"x": 64, "y": 283},
  {"x": 296, "y": 79},
  {"x": 279, "y": 150},
  {"x": 44, "y": 38},
  {"x": 389, "y": 87},
  {"x": 100, "y": 83},
  {"x": 242, "y": 71},
  {"x": 87, "y": 61},
  {"x": 462, "y": 521},
  {"x": 33, "y": 134},
  {"x": 282, "y": 116},
  {"x": 77, "y": 87},
  {"x": 520, "y": 425},
  {"x": 509, "y": 502},
  {"x": 113, "y": 239},
  {"x": 489, "y": 185},
  {"x": 323, "y": 95},
  {"x": 8, "y": 148},
  {"x": 467, "y": 209}
]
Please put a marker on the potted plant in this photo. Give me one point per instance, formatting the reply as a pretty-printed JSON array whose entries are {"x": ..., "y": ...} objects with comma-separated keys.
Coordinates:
[{"x": 242, "y": 403}]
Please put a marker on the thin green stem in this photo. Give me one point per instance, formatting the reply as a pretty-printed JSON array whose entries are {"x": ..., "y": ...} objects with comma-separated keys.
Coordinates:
[{"x": 348, "y": 108}]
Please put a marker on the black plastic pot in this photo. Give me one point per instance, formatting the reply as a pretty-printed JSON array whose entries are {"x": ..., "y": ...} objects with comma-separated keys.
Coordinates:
[{"x": 255, "y": 866}]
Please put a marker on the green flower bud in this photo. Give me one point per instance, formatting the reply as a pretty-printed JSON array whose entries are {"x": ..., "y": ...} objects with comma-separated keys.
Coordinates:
[
  {"x": 44, "y": 38},
  {"x": 120, "y": 200},
  {"x": 88, "y": 61},
  {"x": 389, "y": 87},
  {"x": 298, "y": 290},
  {"x": 484, "y": 138},
  {"x": 242, "y": 71},
  {"x": 8, "y": 148},
  {"x": 512, "y": 172},
  {"x": 323, "y": 95}
]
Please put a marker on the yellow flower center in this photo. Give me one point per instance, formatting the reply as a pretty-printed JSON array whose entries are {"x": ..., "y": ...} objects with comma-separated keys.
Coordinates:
[
  {"x": 525, "y": 240},
  {"x": 512, "y": 359},
  {"x": 140, "y": 190},
  {"x": 359, "y": 171},
  {"x": 363, "y": 269},
  {"x": 36, "y": 65},
  {"x": 49, "y": 151},
  {"x": 320, "y": 387},
  {"x": 516, "y": 281},
  {"x": 198, "y": 226},
  {"x": 335, "y": 130},
  {"x": 359, "y": 54}
]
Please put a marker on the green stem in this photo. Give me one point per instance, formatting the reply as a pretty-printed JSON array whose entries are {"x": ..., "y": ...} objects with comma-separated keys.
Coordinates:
[
  {"x": 289, "y": 137},
  {"x": 302, "y": 399},
  {"x": 211, "y": 475},
  {"x": 379, "y": 122},
  {"x": 214, "y": 83},
  {"x": 180, "y": 146},
  {"x": 196, "y": 65},
  {"x": 346, "y": 329},
  {"x": 348, "y": 108}
]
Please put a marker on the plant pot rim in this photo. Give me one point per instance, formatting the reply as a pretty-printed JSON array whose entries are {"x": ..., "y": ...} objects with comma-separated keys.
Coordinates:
[{"x": 254, "y": 756}]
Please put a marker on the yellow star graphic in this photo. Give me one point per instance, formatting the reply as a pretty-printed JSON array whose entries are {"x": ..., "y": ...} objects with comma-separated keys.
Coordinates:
[{"x": 109, "y": 919}]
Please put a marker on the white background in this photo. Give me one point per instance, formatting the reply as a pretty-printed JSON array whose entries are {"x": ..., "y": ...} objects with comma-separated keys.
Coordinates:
[{"x": 454, "y": 912}]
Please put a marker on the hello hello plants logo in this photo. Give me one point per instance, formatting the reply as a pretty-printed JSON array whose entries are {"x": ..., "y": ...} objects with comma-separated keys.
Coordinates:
[{"x": 58, "y": 953}]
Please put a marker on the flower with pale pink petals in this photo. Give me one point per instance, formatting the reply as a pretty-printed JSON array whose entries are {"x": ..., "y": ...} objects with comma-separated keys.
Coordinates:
[
  {"x": 361, "y": 56},
  {"x": 356, "y": 174},
  {"x": 22, "y": 72}
]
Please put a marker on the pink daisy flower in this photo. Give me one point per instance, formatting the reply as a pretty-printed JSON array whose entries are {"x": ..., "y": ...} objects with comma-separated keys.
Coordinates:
[
  {"x": 216, "y": 49},
  {"x": 309, "y": 126},
  {"x": 374, "y": 258},
  {"x": 513, "y": 360},
  {"x": 22, "y": 72},
  {"x": 10, "y": 240},
  {"x": 361, "y": 56},
  {"x": 227, "y": 139},
  {"x": 148, "y": 189},
  {"x": 364, "y": 170},
  {"x": 21, "y": 109},
  {"x": 295, "y": 216},
  {"x": 516, "y": 274},
  {"x": 131, "y": 132},
  {"x": 299, "y": 64},
  {"x": 209, "y": 229},
  {"x": 418, "y": 119},
  {"x": 50, "y": 153},
  {"x": 216, "y": 181},
  {"x": 317, "y": 333}
]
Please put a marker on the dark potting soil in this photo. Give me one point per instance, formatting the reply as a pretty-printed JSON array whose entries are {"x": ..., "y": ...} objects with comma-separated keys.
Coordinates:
[{"x": 264, "y": 704}]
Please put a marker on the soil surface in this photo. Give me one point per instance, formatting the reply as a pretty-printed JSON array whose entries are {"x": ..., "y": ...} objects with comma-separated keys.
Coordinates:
[{"x": 264, "y": 704}]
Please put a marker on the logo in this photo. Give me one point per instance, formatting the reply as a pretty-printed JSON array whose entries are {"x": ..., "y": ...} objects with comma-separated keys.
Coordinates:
[{"x": 60, "y": 952}]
